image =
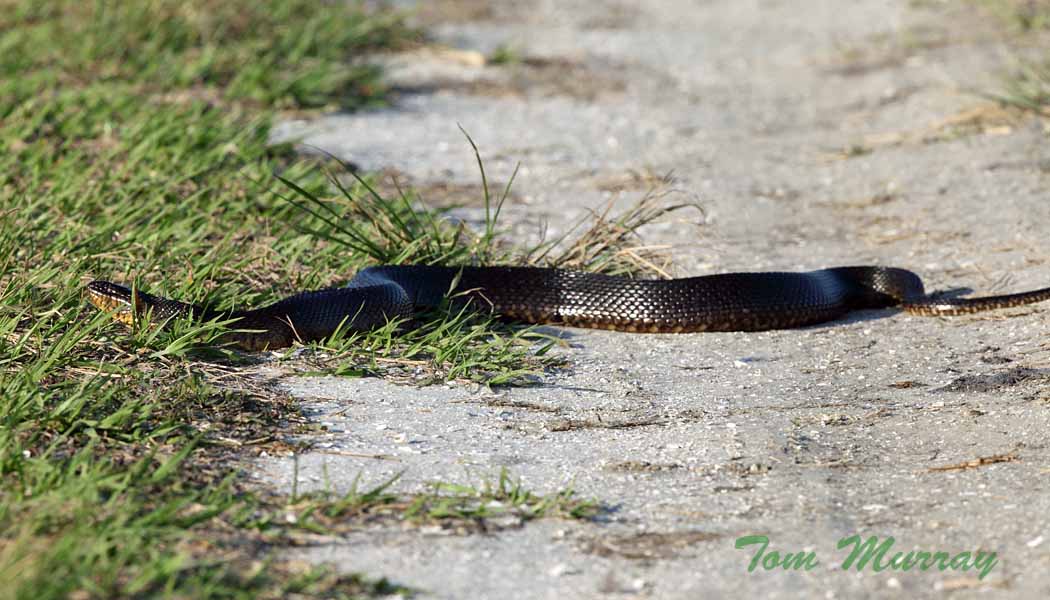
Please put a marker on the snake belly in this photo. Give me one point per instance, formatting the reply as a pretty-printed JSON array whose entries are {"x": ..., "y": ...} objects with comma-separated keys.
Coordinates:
[{"x": 723, "y": 302}]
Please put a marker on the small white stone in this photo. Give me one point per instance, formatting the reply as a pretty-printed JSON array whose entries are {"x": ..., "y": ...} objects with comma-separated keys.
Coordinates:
[{"x": 561, "y": 569}]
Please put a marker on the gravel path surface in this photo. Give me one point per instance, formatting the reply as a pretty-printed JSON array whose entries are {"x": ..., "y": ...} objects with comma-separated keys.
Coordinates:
[{"x": 814, "y": 135}]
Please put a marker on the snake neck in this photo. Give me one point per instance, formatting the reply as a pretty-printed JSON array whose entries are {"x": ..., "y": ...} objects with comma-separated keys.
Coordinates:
[{"x": 253, "y": 330}]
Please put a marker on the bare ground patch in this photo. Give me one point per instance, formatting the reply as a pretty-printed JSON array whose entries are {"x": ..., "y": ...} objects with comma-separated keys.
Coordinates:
[
  {"x": 615, "y": 16},
  {"x": 997, "y": 381},
  {"x": 987, "y": 118},
  {"x": 642, "y": 466},
  {"x": 647, "y": 545},
  {"x": 887, "y": 51},
  {"x": 530, "y": 77},
  {"x": 434, "y": 12},
  {"x": 391, "y": 182},
  {"x": 629, "y": 421},
  {"x": 630, "y": 180}
]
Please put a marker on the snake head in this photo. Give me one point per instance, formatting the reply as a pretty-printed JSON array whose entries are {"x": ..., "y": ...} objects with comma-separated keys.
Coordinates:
[
  {"x": 107, "y": 296},
  {"x": 129, "y": 305}
]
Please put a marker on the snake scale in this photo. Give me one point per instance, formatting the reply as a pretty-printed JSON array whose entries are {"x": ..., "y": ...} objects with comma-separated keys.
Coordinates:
[{"x": 724, "y": 302}]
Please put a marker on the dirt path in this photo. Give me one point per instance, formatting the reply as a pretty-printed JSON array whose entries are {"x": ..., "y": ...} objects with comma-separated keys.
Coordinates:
[{"x": 814, "y": 135}]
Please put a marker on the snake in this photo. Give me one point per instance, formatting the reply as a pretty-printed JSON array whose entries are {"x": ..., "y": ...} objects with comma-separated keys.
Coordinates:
[{"x": 720, "y": 302}]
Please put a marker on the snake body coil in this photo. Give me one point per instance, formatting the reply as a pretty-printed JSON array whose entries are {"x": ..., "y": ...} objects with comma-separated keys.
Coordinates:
[{"x": 726, "y": 302}]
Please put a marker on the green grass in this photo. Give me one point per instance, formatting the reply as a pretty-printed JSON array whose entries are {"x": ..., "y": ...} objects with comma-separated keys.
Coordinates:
[
  {"x": 133, "y": 146},
  {"x": 292, "y": 53}
]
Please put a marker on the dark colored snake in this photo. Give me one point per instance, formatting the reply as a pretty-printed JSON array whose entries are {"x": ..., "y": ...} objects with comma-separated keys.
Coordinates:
[{"x": 726, "y": 302}]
